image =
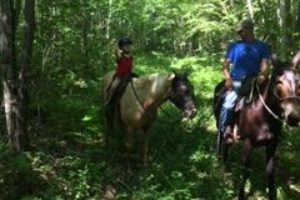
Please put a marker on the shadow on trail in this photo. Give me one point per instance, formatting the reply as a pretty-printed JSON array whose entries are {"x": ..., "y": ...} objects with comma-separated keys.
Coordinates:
[
  {"x": 18, "y": 179},
  {"x": 182, "y": 165}
]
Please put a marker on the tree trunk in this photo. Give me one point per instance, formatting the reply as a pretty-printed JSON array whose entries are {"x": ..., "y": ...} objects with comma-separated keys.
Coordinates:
[
  {"x": 28, "y": 37},
  {"x": 14, "y": 88},
  {"x": 6, "y": 52},
  {"x": 284, "y": 16},
  {"x": 15, "y": 10},
  {"x": 107, "y": 35},
  {"x": 250, "y": 9},
  {"x": 297, "y": 26},
  {"x": 85, "y": 30},
  {"x": 297, "y": 23}
]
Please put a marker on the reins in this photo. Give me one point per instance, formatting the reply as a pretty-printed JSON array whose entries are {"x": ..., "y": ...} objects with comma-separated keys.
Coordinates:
[
  {"x": 264, "y": 103},
  {"x": 251, "y": 91}
]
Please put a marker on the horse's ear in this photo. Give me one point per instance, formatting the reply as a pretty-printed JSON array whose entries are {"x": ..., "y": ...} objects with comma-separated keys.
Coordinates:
[
  {"x": 171, "y": 76},
  {"x": 185, "y": 74},
  {"x": 296, "y": 60},
  {"x": 275, "y": 61},
  {"x": 176, "y": 74}
]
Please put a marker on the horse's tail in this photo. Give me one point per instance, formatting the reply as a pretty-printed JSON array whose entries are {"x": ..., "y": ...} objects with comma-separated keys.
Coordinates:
[
  {"x": 108, "y": 109},
  {"x": 109, "y": 115}
]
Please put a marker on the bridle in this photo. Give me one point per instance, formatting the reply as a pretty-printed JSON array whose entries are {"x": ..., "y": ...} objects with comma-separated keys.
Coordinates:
[
  {"x": 288, "y": 97},
  {"x": 294, "y": 96},
  {"x": 280, "y": 99},
  {"x": 261, "y": 98}
]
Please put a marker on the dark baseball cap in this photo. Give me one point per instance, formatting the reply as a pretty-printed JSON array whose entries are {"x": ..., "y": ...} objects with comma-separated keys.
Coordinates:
[{"x": 245, "y": 24}]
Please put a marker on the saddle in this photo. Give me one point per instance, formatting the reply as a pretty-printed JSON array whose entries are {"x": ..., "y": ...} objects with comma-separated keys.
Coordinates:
[
  {"x": 245, "y": 97},
  {"x": 246, "y": 93},
  {"x": 121, "y": 88}
]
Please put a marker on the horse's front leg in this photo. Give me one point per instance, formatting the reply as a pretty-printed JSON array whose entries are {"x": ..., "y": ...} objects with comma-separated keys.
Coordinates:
[
  {"x": 219, "y": 141},
  {"x": 225, "y": 152},
  {"x": 146, "y": 136},
  {"x": 129, "y": 145},
  {"x": 247, "y": 148},
  {"x": 270, "y": 152}
]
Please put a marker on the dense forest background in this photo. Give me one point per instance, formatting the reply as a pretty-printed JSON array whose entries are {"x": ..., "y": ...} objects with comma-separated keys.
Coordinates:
[{"x": 53, "y": 55}]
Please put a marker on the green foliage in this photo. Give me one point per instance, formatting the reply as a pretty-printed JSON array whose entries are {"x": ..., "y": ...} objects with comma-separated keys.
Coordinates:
[
  {"x": 71, "y": 161},
  {"x": 74, "y": 44}
]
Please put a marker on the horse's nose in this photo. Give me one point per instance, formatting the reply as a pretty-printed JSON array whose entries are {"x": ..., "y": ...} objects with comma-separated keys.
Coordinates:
[
  {"x": 291, "y": 113},
  {"x": 191, "y": 113},
  {"x": 293, "y": 119},
  {"x": 194, "y": 112}
]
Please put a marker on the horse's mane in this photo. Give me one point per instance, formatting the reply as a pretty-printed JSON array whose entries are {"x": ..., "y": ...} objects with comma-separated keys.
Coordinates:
[{"x": 157, "y": 79}]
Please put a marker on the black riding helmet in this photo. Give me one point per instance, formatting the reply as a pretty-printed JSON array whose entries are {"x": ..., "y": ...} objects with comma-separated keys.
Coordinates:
[{"x": 124, "y": 41}]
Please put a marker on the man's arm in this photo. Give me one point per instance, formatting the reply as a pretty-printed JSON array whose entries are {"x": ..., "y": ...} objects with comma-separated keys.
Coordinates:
[
  {"x": 263, "y": 74},
  {"x": 226, "y": 69},
  {"x": 264, "y": 64},
  {"x": 264, "y": 67},
  {"x": 226, "y": 73}
]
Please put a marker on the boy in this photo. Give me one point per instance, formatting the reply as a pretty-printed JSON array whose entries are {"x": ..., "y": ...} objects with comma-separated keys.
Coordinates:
[{"x": 124, "y": 67}]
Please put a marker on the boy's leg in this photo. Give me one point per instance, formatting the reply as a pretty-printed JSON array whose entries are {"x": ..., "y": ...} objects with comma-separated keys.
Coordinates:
[
  {"x": 110, "y": 93},
  {"x": 227, "y": 110}
]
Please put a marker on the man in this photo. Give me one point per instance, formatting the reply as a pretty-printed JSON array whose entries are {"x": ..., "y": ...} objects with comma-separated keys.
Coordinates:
[{"x": 249, "y": 58}]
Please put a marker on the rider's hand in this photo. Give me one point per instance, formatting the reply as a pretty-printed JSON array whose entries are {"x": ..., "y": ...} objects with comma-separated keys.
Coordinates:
[
  {"x": 228, "y": 83},
  {"x": 261, "y": 78}
]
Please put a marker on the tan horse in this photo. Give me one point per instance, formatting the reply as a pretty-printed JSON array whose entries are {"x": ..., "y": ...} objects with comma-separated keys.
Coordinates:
[{"x": 137, "y": 108}]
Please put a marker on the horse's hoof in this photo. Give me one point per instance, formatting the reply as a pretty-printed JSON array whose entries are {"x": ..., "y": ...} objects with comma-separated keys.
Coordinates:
[
  {"x": 109, "y": 193},
  {"x": 241, "y": 195},
  {"x": 241, "y": 198},
  {"x": 229, "y": 141},
  {"x": 220, "y": 158}
]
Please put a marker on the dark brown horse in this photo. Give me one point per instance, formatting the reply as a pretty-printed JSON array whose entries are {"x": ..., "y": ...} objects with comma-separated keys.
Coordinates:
[{"x": 259, "y": 122}]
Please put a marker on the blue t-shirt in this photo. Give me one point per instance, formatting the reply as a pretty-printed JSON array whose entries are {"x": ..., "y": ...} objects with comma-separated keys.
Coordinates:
[{"x": 246, "y": 58}]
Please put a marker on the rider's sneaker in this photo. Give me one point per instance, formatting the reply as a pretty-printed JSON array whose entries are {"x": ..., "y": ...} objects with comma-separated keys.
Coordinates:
[{"x": 228, "y": 135}]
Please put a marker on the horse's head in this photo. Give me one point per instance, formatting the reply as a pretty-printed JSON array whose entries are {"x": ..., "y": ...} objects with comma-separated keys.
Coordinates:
[
  {"x": 182, "y": 95},
  {"x": 287, "y": 91}
]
